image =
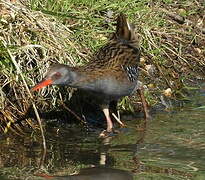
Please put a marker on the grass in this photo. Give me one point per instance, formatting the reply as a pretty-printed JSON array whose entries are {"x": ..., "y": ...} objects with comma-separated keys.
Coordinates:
[{"x": 39, "y": 33}]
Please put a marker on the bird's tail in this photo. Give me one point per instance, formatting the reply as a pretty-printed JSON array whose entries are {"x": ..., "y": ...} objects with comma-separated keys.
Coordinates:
[{"x": 124, "y": 29}]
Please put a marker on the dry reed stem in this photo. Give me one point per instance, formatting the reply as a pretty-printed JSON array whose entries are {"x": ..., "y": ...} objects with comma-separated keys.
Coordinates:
[{"x": 30, "y": 96}]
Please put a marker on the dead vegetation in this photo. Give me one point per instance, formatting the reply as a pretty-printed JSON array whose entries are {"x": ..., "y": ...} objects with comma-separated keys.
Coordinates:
[{"x": 172, "y": 58}]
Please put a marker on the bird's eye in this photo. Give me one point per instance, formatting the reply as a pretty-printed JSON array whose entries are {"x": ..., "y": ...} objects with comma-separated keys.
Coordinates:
[{"x": 57, "y": 75}]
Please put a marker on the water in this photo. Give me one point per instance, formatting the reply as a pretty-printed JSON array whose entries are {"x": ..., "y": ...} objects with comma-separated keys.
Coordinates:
[{"x": 170, "y": 146}]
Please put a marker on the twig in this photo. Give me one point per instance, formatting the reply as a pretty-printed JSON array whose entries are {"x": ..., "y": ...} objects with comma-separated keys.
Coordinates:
[
  {"x": 182, "y": 20},
  {"x": 73, "y": 113},
  {"x": 140, "y": 91}
]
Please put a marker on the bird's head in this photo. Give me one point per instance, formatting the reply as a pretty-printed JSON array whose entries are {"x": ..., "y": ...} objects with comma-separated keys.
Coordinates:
[{"x": 58, "y": 74}]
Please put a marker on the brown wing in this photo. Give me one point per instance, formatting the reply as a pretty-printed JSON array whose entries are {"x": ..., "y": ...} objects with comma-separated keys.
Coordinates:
[{"x": 119, "y": 57}]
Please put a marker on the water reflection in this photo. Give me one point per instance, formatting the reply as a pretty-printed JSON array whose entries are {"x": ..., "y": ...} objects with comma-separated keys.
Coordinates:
[
  {"x": 171, "y": 145},
  {"x": 98, "y": 173}
]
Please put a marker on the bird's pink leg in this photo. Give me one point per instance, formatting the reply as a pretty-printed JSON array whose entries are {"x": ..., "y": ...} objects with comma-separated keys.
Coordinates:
[{"x": 108, "y": 119}]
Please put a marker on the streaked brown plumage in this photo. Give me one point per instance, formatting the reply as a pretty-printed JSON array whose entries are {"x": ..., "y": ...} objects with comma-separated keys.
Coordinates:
[{"x": 111, "y": 74}]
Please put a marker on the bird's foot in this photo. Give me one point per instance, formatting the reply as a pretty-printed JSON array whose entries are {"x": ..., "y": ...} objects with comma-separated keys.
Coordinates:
[{"x": 108, "y": 133}]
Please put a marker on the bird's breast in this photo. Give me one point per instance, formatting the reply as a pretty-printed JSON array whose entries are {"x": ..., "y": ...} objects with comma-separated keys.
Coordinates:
[{"x": 111, "y": 87}]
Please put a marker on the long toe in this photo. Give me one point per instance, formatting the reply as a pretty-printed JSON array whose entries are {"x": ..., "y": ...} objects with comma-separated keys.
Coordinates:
[{"x": 105, "y": 133}]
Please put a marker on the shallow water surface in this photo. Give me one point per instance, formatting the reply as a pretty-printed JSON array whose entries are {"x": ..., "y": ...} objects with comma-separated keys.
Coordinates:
[{"x": 170, "y": 146}]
